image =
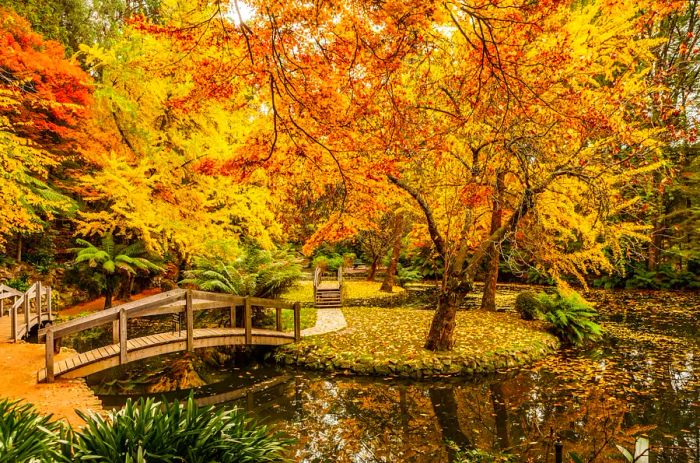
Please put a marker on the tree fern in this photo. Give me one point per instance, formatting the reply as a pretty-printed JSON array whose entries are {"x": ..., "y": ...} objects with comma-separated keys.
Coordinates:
[
  {"x": 113, "y": 262},
  {"x": 256, "y": 272}
]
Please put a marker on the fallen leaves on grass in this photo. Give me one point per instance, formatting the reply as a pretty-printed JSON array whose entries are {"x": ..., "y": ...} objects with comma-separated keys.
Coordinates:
[{"x": 382, "y": 341}]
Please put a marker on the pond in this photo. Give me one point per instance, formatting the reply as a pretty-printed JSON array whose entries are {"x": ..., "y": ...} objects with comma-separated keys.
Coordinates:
[{"x": 643, "y": 380}]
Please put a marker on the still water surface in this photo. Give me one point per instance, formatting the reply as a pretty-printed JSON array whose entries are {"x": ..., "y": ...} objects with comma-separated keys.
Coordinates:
[{"x": 643, "y": 380}]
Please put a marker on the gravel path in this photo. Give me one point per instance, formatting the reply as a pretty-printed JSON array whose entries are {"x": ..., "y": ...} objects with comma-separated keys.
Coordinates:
[{"x": 327, "y": 320}]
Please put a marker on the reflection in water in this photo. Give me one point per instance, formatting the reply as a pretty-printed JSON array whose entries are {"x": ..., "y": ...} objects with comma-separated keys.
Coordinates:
[{"x": 643, "y": 381}]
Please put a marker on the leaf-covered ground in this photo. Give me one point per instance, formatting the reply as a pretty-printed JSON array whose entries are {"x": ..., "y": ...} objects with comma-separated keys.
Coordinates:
[{"x": 381, "y": 341}]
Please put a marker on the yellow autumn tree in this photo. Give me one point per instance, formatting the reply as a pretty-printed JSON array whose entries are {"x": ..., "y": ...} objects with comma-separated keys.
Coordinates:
[
  {"x": 540, "y": 112},
  {"x": 150, "y": 180}
]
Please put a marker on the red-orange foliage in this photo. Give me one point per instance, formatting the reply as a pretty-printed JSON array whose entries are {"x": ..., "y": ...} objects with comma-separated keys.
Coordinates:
[{"x": 45, "y": 96}]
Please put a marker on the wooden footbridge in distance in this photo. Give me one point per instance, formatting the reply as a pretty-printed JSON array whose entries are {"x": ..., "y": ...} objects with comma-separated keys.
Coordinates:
[
  {"x": 25, "y": 310},
  {"x": 177, "y": 302}
]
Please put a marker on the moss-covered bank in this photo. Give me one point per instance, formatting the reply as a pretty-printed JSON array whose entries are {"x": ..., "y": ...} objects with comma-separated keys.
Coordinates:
[{"x": 383, "y": 342}]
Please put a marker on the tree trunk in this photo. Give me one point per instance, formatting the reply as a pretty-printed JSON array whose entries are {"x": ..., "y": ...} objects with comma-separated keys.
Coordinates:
[
  {"x": 388, "y": 283},
  {"x": 19, "y": 249},
  {"x": 389, "y": 278},
  {"x": 441, "y": 334},
  {"x": 108, "y": 297},
  {"x": 654, "y": 246},
  {"x": 373, "y": 269},
  {"x": 488, "y": 301}
]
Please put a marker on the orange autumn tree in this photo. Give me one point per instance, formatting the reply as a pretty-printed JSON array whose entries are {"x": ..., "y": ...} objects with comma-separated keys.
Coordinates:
[
  {"x": 43, "y": 100},
  {"x": 528, "y": 110}
]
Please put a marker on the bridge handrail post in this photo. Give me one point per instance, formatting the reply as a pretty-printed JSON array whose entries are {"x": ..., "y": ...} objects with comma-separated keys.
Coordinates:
[
  {"x": 26, "y": 310},
  {"x": 49, "y": 355},
  {"x": 278, "y": 318},
  {"x": 123, "y": 332},
  {"x": 37, "y": 303},
  {"x": 297, "y": 321},
  {"x": 13, "y": 321},
  {"x": 49, "y": 301},
  {"x": 248, "y": 316},
  {"x": 189, "y": 316}
]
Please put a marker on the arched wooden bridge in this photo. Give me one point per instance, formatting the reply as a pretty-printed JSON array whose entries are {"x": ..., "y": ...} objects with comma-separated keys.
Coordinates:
[{"x": 178, "y": 301}]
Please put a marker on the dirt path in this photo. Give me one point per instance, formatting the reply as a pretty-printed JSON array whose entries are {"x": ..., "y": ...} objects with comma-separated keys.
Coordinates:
[
  {"x": 99, "y": 303},
  {"x": 19, "y": 363},
  {"x": 327, "y": 320}
]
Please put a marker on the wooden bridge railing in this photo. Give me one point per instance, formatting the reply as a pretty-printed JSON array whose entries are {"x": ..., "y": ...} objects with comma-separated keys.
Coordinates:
[
  {"x": 36, "y": 304},
  {"x": 318, "y": 277},
  {"x": 177, "y": 301},
  {"x": 8, "y": 294}
]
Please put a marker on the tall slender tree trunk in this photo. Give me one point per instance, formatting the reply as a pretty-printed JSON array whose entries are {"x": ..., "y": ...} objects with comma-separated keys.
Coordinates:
[
  {"x": 373, "y": 269},
  {"x": 655, "y": 245},
  {"x": 19, "y": 249},
  {"x": 488, "y": 300},
  {"x": 109, "y": 292},
  {"x": 389, "y": 278}
]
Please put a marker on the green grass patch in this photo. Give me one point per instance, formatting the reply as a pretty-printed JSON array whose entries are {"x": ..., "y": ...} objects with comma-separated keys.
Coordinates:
[
  {"x": 308, "y": 319},
  {"x": 382, "y": 341}
]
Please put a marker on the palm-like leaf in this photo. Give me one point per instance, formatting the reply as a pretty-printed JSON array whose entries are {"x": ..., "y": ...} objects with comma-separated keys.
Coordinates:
[{"x": 256, "y": 272}]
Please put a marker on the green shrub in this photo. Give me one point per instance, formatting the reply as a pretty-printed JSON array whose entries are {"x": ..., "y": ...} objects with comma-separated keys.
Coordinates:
[
  {"x": 636, "y": 276},
  {"x": 405, "y": 275},
  {"x": 27, "y": 436},
  {"x": 149, "y": 431},
  {"x": 571, "y": 317},
  {"x": 528, "y": 305},
  {"x": 328, "y": 262},
  {"x": 20, "y": 282}
]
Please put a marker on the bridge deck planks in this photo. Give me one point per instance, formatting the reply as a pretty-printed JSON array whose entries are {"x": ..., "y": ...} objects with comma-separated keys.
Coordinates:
[{"x": 205, "y": 336}]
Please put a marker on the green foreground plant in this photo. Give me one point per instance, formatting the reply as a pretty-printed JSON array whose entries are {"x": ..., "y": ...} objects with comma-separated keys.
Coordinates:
[
  {"x": 142, "y": 431},
  {"x": 26, "y": 435}
]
